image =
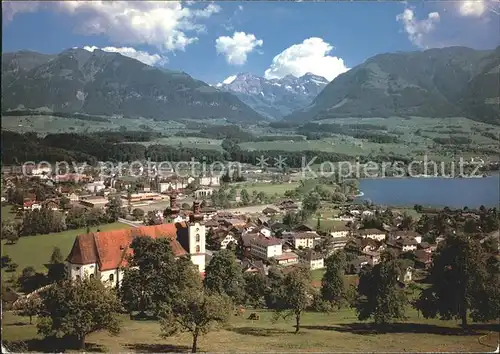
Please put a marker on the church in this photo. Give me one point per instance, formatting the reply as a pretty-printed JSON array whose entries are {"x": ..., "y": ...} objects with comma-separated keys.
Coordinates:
[{"x": 103, "y": 254}]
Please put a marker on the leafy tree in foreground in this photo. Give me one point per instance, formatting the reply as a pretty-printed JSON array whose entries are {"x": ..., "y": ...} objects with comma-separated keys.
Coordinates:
[
  {"x": 297, "y": 295},
  {"x": 10, "y": 232},
  {"x": 57, "y": 269},
  {"x": 461, "y": 283},
  {"x": 151, "y": 278},
  {"x": 379, "y": 295},
  {"x": 332, "y": 284},
  {"x": 78, "y": 308},
  {"x": 196, "y": 312},
  {"x": 223, "y": 276}
]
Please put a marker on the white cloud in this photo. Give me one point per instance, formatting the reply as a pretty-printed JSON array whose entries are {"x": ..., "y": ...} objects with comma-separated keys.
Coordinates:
[
  {"x": 418, "y": 30},
  {"x": 166, "y": 24},
  {"x": 145, "y": 57},
  {"x": 309, "y": 56},
  {"x": 237, "y": 47},
  {"x": 471, "y": 8}
]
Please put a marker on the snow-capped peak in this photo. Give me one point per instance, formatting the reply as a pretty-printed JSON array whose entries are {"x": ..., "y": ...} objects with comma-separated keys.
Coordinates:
[{"x": 229, "y": 79}]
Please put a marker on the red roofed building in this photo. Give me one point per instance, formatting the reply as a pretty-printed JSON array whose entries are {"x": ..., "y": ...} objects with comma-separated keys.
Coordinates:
[{"x": 102, "y": 254}]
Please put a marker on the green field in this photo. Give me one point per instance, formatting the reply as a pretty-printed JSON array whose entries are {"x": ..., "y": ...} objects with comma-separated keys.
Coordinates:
[
  {"x": 50, "y": 124},
  {"x": 187, "y": 142},
  {"x": 337, "y": 332},
  {"x": 267, "y": 188},
  {"x": 35, "y": 251}
]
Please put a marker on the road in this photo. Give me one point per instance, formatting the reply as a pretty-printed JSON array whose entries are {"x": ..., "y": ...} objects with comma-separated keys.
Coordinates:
[{"x": 130, "y": 223}]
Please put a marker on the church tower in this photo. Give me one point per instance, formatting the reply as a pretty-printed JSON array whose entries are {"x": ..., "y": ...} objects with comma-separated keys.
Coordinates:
[{"x": 197, "y": 237}]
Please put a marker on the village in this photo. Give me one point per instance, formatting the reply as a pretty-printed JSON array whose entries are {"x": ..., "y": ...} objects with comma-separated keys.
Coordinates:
[{"x": 91, "y": 226}]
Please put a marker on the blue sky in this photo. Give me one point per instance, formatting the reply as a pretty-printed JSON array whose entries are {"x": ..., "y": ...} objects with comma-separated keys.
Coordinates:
[{"x": 212, "y": 41}]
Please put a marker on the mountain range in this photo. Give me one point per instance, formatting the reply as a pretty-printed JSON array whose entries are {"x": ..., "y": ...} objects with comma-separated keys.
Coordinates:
[
  {"x": 274, "y": 98},
  {"x": 445, "y": 82},
  {"x": 103, "y": 83}
]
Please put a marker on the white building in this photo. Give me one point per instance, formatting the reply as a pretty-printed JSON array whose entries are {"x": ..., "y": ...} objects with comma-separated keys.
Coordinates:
[
  {"x": 95, "y": 187},
  {"x": 210, "y": 181},
  {"x": 314, "y": 260},
  {"x": 374, "y": 234},
  {"x": 340, "y": 232},
  {"x": 265, "y": 247},
  {"x": 203, "y": 193},
  {"x": 102, "y": 254},
  {"x": 302, "y": 239}
]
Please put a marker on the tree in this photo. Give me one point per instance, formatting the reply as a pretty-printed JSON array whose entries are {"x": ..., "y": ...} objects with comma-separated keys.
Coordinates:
[
  {"x": 379, "y": 293},
  {"x": 114, "y": 209},
  {"x": 297, "y": 295},
  {"x": 56, "y": 256},
  {"x": 245, "y": 197},
  {"x": 461, "y": 282},
  {"x": 311, "y": 203},
  {"x": 30, "y": 280},
  {"x": 78, "y": 308},
  {"x": 151, "y": 279},
  {"x": 10, "y": 232},
  {"x": 138, "y": 214},
  {"x": 255, "y": 288},
  {"x": 197, "y": 312},
  {"x": 332, "y": 284},
  {"x": 30, "y": 307},
  {"x": 65, "y": 203},
  {"x": 223, "y": 276},
  {"x": 57, "y": 268}
]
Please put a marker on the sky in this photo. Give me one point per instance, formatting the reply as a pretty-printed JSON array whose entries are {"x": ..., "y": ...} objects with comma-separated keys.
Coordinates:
[{"x": 214, "y": 40}]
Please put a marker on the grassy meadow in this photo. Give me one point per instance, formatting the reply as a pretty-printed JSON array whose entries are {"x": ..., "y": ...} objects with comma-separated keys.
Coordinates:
[
  {"x": 337, "y": 332},
  {"x": 35, "y": 251}
]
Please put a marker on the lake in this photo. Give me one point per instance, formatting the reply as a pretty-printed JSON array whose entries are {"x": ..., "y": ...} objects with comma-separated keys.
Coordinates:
[{"x": 438, "y": 192}]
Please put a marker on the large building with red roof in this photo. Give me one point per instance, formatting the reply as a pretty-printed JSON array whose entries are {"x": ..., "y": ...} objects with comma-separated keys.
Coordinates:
[{"x": 103, "y": 254}]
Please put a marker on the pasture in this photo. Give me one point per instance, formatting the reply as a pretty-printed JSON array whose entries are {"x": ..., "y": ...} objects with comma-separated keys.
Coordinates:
[{"x": 320, "y": 332}]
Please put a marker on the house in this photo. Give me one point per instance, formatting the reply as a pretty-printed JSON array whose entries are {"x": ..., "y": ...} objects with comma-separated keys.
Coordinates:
[
  {"x": 341, "y": 231},
  {"x": 51, "y": 204},
  {"x": 372, "y": 256},
  {"x": 423, "y": 259},
  {"x": 374, "y": 234},
  {"x": 264, "y": 231},
  {"x": 424, "y": 246},
  {"x": 233, "y": 222},
  {"x": 31, "y": 205},
  {"x": 288, "y": 205},
  {"x": 407, "y": 234},
  {"x": 287, "y": 258},
  {"x": 314, "y": 260},
  {"x": 302, "y": 228},
  {"x": 94, "y": 202},
  {"x": 95, "y": 187},
  {"x": 210, "y": 181},
  {"x": 354, "y": 266},
  {"x": 270, "y": 211},
  {"x": 254, "y": 266},
  {"x": 224, "y": 238},
  {"x": 103, "y": 254},
  {"x": 265, "y": 247},
  {"x": 203, "y": 193},
  {"x": 246, "y": 239},
  {"x": 263, "y": 220},
  {"x": 142, "y": 197},
  {"x": 302, "y": 239},
  {"x": 407, "y": 244},
  {"x": 407, "y": 275},
  {"x": 73, "y": 197},
  {"x": 338, "y": 243}
]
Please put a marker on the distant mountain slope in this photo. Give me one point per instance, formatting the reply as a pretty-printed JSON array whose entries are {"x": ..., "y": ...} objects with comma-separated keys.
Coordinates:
[
  {"x": 446, "y": 82},
  {"x": 277, "y": 97},
  {"x": 102, "y": 83}
]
